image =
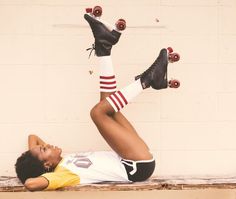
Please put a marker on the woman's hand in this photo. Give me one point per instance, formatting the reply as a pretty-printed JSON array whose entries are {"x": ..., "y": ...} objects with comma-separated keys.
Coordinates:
[{"x": 34, "y": 140}]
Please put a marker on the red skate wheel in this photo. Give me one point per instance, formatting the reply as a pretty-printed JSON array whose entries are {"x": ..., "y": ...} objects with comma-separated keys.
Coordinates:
[
  {"x": 122, "y": 20},
  {"x": 174, "y": 83},
  {"x": 176, "y": 57},
  {"x": 121, "y": 24},
  {"x": 89, "y": 10},
  {"x": 170, "y": 50},
  {"x": 97, "y": 11}
]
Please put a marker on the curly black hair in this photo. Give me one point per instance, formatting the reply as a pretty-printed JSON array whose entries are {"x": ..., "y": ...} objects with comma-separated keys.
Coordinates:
[{"x": 28, "y": 166}]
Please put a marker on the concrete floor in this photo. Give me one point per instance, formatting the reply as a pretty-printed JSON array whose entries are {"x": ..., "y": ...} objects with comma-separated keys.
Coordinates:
[{"x": 162, "y": 194}]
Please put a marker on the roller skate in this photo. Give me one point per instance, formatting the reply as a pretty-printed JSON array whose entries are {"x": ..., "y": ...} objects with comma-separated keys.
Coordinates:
[
  {"x": 105, "y": 35},
  {"x": 156, "y": 75}
]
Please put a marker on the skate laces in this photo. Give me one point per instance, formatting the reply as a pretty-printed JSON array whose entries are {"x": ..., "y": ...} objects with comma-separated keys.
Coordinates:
[
  {"x": 151, "y": 68},
  {"x": 91, "y": 50}
]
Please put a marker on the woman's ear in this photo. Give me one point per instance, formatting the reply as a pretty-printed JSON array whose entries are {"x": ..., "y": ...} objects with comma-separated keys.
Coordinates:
[{"x": 47, "y": 165}]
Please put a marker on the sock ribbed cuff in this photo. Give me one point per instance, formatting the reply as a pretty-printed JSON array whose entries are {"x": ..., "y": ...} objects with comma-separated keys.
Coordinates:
[
  {"x": 107, "y": 83},
  {"x": 117, "y": 100},
  {"x": 107, "y": 78},
  {"x": 121, "y": 98}
]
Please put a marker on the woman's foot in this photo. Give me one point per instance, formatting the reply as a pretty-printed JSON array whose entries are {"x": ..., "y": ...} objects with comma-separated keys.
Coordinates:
[
  {"x": 104, "y": 38},
  {"x": 156, "y": 75}
]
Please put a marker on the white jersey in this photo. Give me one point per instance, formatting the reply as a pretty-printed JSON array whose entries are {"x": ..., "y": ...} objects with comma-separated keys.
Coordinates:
[{"x": 94, "y": 167}]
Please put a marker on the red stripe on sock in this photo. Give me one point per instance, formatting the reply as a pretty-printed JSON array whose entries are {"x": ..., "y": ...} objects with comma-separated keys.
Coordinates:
[
  {"x": 107, "y": 77},
  {"x": 123, "y": 97},
  {"x": 105, "y": 87},
  {"x": 114, "y": 82},
  {"x": 114, "y": 102},
  {"x": 118, "y": 100}
]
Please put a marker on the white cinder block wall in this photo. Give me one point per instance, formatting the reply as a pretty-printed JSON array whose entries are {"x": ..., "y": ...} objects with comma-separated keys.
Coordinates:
[{"x": 46, "y": 89}]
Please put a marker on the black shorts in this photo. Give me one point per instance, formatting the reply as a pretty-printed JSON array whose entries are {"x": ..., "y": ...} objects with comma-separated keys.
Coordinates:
[{"x": 139, "y": 170}]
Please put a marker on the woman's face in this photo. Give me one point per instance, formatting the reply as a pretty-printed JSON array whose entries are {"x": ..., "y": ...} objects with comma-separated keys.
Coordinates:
[{"x": 49, "y": 154}]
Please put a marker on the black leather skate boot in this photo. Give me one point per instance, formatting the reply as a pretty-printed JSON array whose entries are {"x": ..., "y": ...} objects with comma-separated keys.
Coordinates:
[
  {"x": 156, "y": 75},
  {"x": 104, "y": 38}
]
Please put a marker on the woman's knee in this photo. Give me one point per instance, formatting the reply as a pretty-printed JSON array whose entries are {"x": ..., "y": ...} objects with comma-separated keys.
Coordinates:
[
  {"x": 95, "y": 112},
  {"x": 100, "y": 109}
]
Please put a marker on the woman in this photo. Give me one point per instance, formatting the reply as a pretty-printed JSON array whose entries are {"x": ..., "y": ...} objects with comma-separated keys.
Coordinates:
[{"x": 42, "y": 166}]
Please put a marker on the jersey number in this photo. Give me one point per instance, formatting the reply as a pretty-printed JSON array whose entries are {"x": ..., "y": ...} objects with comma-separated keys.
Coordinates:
[{"x": 82, "y": 162}]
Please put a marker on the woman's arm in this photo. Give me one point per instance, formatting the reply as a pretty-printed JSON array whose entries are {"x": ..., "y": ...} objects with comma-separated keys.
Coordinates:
[
  {"x": 36, "y": 184},
  {"x": 34, "y": 140}
]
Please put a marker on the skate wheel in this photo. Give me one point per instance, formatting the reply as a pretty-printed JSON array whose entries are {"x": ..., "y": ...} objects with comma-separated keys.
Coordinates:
[
  {"x": 174, "y": 83},
  {"x": 97, "y": 11},
  {"x": 174, "y": 57},
  {"x": 121, "y": 24},
  {"x": 89, "y": 10},
  {"x": 170, "y": 50},
  {"x": 122, "y": 20}
]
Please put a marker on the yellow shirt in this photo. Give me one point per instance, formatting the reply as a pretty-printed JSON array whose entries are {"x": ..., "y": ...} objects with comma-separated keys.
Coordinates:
[{"x": 61, "y": 177}]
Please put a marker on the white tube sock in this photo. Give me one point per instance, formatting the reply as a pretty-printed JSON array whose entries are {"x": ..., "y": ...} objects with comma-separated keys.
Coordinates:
[{"x": 107, "y": 75}]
